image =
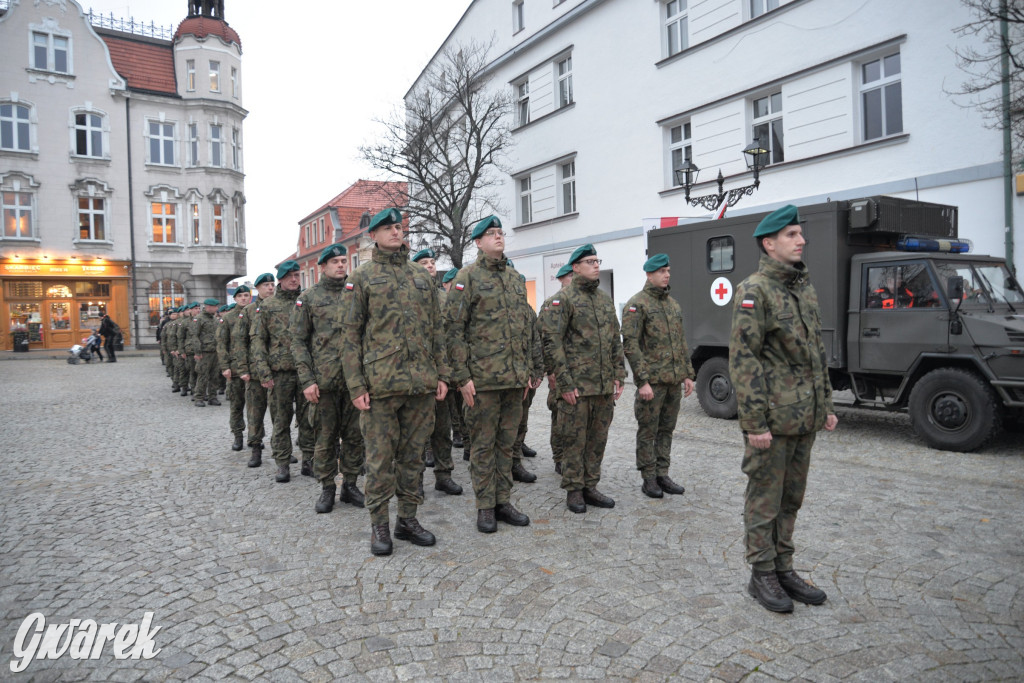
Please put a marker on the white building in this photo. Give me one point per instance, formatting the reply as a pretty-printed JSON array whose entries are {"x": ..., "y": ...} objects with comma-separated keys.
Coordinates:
[
  {"x": 611, "y": 95},
  {"x": 120, "y": 168}
]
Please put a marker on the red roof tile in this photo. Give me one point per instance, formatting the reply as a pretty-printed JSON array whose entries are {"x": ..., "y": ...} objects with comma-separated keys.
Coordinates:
[
  {"x": 145, "y": 65},
  {"x": 201, "y": 27},
  {"x": 365, "y": 195}
]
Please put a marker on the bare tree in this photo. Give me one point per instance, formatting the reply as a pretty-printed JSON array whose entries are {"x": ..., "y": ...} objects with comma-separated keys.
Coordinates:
[
  {"x": 448, "y": 146},
  {"x": 995, "y": 59}
]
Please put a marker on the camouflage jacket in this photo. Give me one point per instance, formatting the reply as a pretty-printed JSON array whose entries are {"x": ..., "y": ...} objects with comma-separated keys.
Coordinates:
[
  {"x": 392, "y": 341},
  {"x": 185, "y": 333},
  {"x": 582, "y": 346},
  {"x": 240, "y": 346},
  {"x": 653, "y": 338},
  {"x": 168, "y": 339},
  {"x": 202, "y": 335},
  {"x": 225, "y": 332},
  {"x": 776, "y": 356},
  {"x": 270, "y": 344},
  {"x": 489, "y": 326},
  {"x": 316, "y": 325}
]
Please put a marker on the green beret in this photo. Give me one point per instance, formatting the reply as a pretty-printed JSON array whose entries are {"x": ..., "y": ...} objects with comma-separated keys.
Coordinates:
[
  {"x": 266, "y": 277},
  {"x": 288, "y": 266},
  {"x": 424, "y": 253},
  {"x": 485, "y": 225},
  {"x": 777, "y": 220},
  {"x": 656, "y": 262},
  {"x": 450, "y": 275},
  {"x": 242, "y": 290},
  {"x": 330, "y": 252},
  {"x": 211, "y": 302},
  {"x": 564, "y": 270},
  {"x": 585, "y": 250},
  {"x": 385, "y": 217},
  {"x": 222, "y": 308},
  {"x": 230, "y": 306},
  {"x": 194, "y": 304}
]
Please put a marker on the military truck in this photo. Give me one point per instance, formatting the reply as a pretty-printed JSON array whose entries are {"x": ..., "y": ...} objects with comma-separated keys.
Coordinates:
[{"x": 909, "y": 320}]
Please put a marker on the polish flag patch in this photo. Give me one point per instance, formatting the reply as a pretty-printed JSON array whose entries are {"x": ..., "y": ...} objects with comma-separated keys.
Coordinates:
[
  {"x": 460, "y": 286},
  {"x": 556, "y": 302},
  {"x": 298, "y": 303},
  {"x": 349, "y": 286},
  {"x": 747, "y": 303},
  {"x": 632, "y": 309}
]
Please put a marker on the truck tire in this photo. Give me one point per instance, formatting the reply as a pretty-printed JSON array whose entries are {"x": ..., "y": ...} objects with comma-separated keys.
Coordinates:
[
  {"x": 954, "y": 410},
  {"x": 714, "y": 389}
]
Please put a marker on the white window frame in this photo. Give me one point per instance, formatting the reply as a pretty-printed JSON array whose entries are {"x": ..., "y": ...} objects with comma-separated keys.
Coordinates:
[
  {"x": 882, "y": 85},
  {"x": 20, "y": 204},
  {"x": 193, "y": 144},
  {"x": 679, "y": 149},
  {"x": 217, "y": 233},
  {"x": 563, "y": 73},
  {"x": 165, "y": 219},
  {"x": 165, "y": 143},
  {"x": 190, "y": 75},
  {"x": 567, "y": 182},
  {"x": 676, "y": 26},
  {"x": 52, "y": 48},
  {"x": 214, "y": 75},
  {"x": 522, "y": 95},
  {"x": 524, "y": 185},
  {"x": 101, "y": 129},
  {"x": 90, "y": 213},
  {"x": 217, "y": 145},
  {"x": 234, "y": 82},
  {"x": 196, "y": 223},
  {"x": 236, "y": 149},
  {"x": 17, "y": 127},
  {"x": 518, "y": 16},
  {"x": 759, "y": 7},
  {"x": 775, "y": 144},
  {"x": 239, "y": 236}
]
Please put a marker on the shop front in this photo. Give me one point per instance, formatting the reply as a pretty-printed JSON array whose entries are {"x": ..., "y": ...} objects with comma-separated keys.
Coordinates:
[{"x": 54, "y": 304}]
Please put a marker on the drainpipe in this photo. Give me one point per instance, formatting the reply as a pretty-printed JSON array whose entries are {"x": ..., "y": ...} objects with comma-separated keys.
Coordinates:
[
  {"x": 1004, "y": 63},
  {"x": 131, "y": 221}
]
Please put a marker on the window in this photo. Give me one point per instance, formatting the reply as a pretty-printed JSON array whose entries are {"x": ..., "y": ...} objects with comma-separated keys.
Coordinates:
[
  {"x": 720, "y": 254},
  {"x": 236, "y": 150},
  {"x": 308, "y": 242},
  {"x": 234, "y": 82},
  {"x": 51, "y": 52},
  {"x": 522, "y": 103},
  {"x": 164, "y": 294},
  {"x": 322, "y": 232},
  {"x": 218, "y": 223},
  {"x": 163, "y": 222},
  {"x": 518, "y": 16},
  {"x": 89, "y": 135},
  {"x": 525, "y": 201},
  {"x": 680, "y": 150},
  {"x": 190, "y": 75},
  {"x": 193, "y": 144},
  {"x": 676, "y": 26},
  {"x": 214, "y": 76},
  {"x": 565, "y": 82},
  {"x": 768, "y": 125},
  {"x": 759, "y": 7},
  {"x": 161, "y": 143},
  {"x": 216, "y": 145},
  {"x": 194, "y": 210},
  {"x": 882, "y": 97},
  {"x": 91, "y": 218},
  {"x": 239, "y": 237},
  {"x": 14, "y": 127},
  {"x": 568, "y": 173},
  {"x": 17, "y": 209},
  {"x": 903, "y": 286}
]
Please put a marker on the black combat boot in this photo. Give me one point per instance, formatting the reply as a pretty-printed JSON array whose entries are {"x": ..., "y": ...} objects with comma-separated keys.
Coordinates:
[
  {"x": 574, "y": 501},
  {"x": 800, "y": 590},
  {"x": 428, "y": 457},
  {"x": 765, "y": 588},
  {"x": 175, "y": 389},
  {"x": 506, "y": 512},
  {"x": 651, "y": 488},
  {"x": 380, "y": 539},
  {"x": 199, "y": 404},
  {"x": 598, "y": 499},
  {"x": 307, "y": 468},
  {"x": 257, "y": 456},
  {"x": 558, "y": 468},
  {"x": 238, "y": 444},
  {"x": 213, "y": 401},
  {"x": 184, "y": 391},
  {"x": 669, "y": 486},
  {"x": 456, "y": 439},
  {"x": 351, "y": 494},
  {"x": 528, "y": 452},
  {"x": 520, "y": 473},
  {"x": 292, "y": 459},
  {"x": 326, "y": 502},
  {"x": 445, "y": 484},
  {"x": 284, "y": 474},
  {"x": 409, "y": 529},
  {"x": 485, "y": 521}
]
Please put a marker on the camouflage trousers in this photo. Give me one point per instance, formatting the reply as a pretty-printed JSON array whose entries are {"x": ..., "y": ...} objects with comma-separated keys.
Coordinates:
[
  {"x": 517, "y": 445},
  {"x": 286, "y": 401},
  {"x": 556, "y": 434},
  {"x": 207, "y": 376},
  {"x": 190, "y": 372},
  {"x": 441, "y": 440},
  {"x": 176, "y": 363},
  {"x": 776, "y": 480},
  {"x": 236, "y": 395},
  {"x": 255, "y": 411},
  {"x": 335, "y": 418},
  {"x": 656, "y": 420},
  {"x": 454, "y": 402},
  {"x": 493, "y": 421},
  {"x": 395, "y": 430},
  {"x": 181, "y": 375},
  {"x": 585, "y": 433}
]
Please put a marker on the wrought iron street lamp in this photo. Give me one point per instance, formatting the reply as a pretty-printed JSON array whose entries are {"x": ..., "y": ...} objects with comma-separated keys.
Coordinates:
[{"x": 686, "y": 175}]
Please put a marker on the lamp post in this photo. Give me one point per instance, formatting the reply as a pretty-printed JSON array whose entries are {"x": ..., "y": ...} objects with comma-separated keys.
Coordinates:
[{"x": 686, "y": 175}]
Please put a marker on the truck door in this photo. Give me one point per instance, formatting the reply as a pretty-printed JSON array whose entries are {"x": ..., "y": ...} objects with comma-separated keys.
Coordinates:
[{"x": 901, "y": 316}]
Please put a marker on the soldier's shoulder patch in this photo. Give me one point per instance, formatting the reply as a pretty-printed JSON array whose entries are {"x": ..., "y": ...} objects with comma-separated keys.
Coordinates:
[
  {"x": 349, "y": 286},
  {"x": 556, "y": 302},
  {"x": 257, "y": 309},
  {"x": 747, "y": 303},
  {"x": 298, "y": 303},
  {"x": 460, "y": 286},
  {"x": 632, "y": 309}
]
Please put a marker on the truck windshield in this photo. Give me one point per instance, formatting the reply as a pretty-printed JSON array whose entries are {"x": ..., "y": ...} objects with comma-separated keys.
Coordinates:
[{"x": 987, "y": 284}]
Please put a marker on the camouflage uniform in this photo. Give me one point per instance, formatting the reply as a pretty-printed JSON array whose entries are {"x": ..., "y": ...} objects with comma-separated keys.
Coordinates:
[
  {"x": 188, "y": 365},
  {"x": 393, "y": 349},
  {"x": 316, "y": 323},
  {"x": 203, "y": 341},
  {"x": 777, "y": 364},
  {"x": 271, "y": 354},
  {"x": 169, "y": 338},
  {"x": 583, "y": 348},
  {"x": 255, "y": 393},
  {"x": 536, "y": 373},
  {"x": 441, "y": 437},
  {"x": 553, "y": 396},
  {"x": 236, "y": 388},
  {"x": 655, "y": 344},
  {"x": 490, "y": 331}
]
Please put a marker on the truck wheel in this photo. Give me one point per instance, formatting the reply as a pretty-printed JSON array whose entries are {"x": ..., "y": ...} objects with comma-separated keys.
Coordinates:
[
  {"x": 954, "y": 410},
  {"x": 714, "y": 389}
]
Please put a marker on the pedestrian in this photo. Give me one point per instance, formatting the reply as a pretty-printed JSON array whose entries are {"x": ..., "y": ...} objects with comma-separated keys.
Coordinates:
[
  {"x": 110, "y": 331},
  {"x": 255, "y": 393},
  {"x": 202, "y": 342},
  {"x": 274, "y": 367},
  {"x": 778, "y": 367},
  {"x": 316, "y": 347},
  {"x": 393, "y": 360},
  {"x": 439, "y": 446},
  {"x": 564, "y": 277},
  {"x": 655, "y": 345},
  {"x": 583, "y": 348}
]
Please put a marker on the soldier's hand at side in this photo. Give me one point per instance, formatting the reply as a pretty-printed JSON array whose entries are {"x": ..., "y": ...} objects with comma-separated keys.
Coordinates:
[
  {"x": 442, "y": 391},
  {"x": 468, "y": 391},
  {"x": 312, "y": 393},
  {"x": 199, "y": 356},
  {"x": 269, "y": 384},
  {"x": 687, "y": 387},
  {"x": 246, "y": 377},
  {"x": 761, "y": 441},
  {"x": 619, "y": 387},
  {"x": 227, "y": 374},
  {"x": 831, "y": 421},
  {"x": 362, "y": 402},
  {"x": 535, "y": 383},
  {"x": 645, "y": 392},
  {"x": 570, "y": 396},
  {"x": 551, "y": 382}
]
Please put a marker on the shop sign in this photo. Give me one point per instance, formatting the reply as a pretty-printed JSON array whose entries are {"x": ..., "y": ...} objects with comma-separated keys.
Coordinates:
[{"x": 62, "y": 269}]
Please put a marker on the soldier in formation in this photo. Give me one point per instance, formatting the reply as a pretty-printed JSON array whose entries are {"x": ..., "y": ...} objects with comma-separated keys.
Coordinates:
[
  {"x": 229, "y": 368},
  {"x": 564, "y": 277},
  {"x": 202, "y": 343},
  {"x": 241, "y": 352}
]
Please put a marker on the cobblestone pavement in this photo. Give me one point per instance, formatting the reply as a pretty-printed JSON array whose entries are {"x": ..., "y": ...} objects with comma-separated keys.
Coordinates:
[{"x": 120, "y": 498}]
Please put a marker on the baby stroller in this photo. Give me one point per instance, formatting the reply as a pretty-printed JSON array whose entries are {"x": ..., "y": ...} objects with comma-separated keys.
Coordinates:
[{"x": 85, "y": 350}]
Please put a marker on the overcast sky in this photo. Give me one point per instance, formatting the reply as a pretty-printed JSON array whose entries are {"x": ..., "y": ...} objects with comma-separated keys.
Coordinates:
[{"x": 315, "y": 75}]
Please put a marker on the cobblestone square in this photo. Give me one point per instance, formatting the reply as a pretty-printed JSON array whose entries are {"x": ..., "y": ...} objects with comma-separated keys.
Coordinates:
[{"x": 121, "y": 498}]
